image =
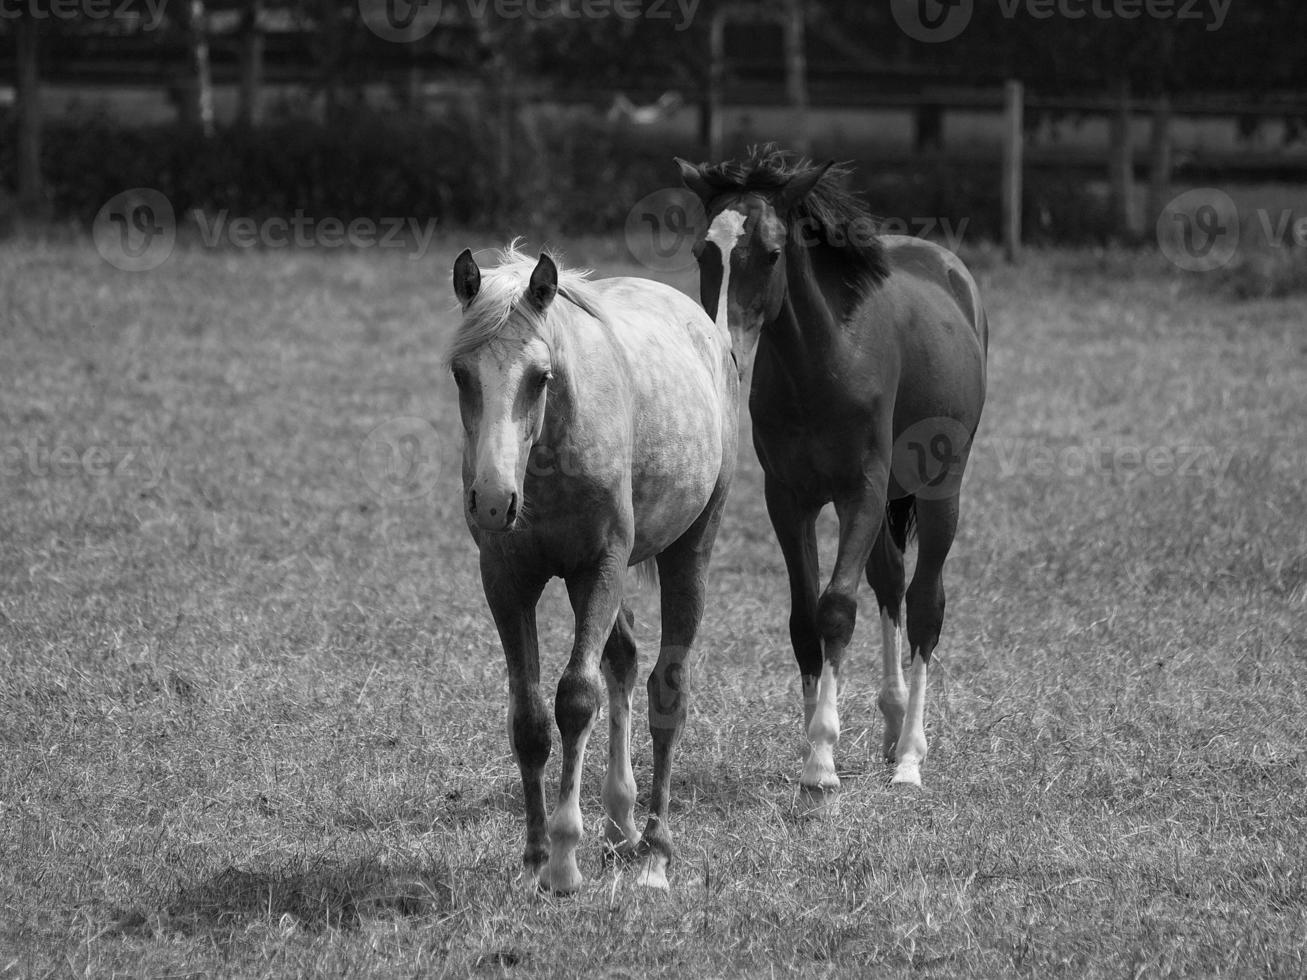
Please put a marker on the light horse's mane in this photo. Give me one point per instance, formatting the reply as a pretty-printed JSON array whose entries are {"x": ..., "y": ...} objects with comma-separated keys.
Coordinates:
[
  {"x": 838, "y": 216},
  {"x": 502, "y": 293}
]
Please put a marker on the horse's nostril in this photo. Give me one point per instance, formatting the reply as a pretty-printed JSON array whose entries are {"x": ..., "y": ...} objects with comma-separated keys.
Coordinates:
[{"x": 472, "y": 501}]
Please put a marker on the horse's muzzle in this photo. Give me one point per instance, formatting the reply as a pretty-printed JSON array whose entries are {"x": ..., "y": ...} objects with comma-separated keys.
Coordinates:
[{"x": 493, "y": 510}]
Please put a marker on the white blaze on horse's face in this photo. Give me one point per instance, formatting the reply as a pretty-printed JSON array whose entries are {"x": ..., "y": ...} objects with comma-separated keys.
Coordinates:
[
  {"x": 502, "y": 389},
  {"x": 749, "y": 288}
]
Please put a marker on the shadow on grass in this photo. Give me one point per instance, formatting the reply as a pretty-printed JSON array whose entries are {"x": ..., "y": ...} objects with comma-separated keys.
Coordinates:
[
  {"x": 317, "y": 895},
  {"x": 456, "y": 809}
]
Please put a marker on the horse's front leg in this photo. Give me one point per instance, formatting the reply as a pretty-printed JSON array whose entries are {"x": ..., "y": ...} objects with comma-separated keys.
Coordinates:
[
  {"x": 596, "y": 596},
  {"x": 513, "y": 605},
  {"x": 860, "y": 518},
  {"x": 795, "y": 525}
]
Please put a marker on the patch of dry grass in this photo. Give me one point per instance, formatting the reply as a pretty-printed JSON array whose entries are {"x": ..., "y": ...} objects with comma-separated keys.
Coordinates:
[{"x": 252, "y": 711}]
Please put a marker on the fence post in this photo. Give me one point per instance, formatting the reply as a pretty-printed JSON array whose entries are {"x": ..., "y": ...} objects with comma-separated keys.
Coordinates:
[
  {"x": 1013, "y": 106},
  {"x": 716, "y": 81},
  {"x": 796, "y": 75},
  {"x": 27, "y": 102}
]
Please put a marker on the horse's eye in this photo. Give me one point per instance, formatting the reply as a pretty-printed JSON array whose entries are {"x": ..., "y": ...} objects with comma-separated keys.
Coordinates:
[
  {"x": 773, "y": 256},
  {"x": 543, "y": 380},
  {"x": 460, "y": 376}
]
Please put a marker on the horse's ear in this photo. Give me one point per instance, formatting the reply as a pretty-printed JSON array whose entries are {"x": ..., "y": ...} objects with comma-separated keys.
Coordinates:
[
  {"x": 544, "y": 283},
  {"x": 800, "y": 186},
  {"x": 467, "y": 278},
  {"x": 692, "y": 177}
]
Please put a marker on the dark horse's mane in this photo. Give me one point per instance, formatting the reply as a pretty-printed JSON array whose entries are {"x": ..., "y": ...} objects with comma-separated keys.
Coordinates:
[{"x": 838, "y": 216}]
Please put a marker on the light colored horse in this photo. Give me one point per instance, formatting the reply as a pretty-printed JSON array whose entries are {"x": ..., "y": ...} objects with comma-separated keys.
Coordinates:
[{"x": 601, "y": 421}]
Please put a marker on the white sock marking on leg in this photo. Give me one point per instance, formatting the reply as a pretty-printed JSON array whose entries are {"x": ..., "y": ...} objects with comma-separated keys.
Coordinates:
[
  {"x": 912, "y": 743},
  {"x": 893, "y": 698},
  {"x": 823, "y": 734}
]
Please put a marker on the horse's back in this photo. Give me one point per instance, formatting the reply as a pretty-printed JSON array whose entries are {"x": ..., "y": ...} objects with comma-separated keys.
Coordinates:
[
  {"x": 941, "y": 331},
  {"x": 652, "y": 318},
  {"x": 674, "y": 349},
  {"x": 928, "y": 262}
]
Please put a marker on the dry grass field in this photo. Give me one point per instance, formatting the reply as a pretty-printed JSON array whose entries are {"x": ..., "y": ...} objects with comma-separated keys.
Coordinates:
[{"x": 252, "y": 706}]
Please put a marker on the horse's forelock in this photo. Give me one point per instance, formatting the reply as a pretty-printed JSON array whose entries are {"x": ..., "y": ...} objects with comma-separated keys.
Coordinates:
[
  {"x": 830, "y": 207},
  {"x": 503, "y": 293}
]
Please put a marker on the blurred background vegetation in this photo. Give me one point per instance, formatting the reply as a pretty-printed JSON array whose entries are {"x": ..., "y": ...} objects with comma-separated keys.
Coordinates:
[{"x": 555, "y": 116}]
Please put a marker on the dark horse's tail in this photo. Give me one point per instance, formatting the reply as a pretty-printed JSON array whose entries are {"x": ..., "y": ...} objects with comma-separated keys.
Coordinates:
[
  {"x": 901, "y": 520},
  {"x": 885, "y": 563}
]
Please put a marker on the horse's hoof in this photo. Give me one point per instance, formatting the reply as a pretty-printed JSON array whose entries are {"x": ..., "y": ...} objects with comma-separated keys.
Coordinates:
[
  {"x": 559, "y": 880},
  {"x": 818, "y": 801},
  {"x": 653, "y": 873},
  {"x": 907, "y": 774}
]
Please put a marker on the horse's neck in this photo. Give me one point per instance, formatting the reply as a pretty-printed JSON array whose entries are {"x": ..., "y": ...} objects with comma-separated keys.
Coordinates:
[
  {"x": 807, "y": 331},
  {"x": 576, "y": 395}
]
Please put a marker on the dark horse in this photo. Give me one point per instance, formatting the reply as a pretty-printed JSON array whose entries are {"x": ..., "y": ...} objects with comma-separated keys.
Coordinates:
[{"x": 868, "y": 382}]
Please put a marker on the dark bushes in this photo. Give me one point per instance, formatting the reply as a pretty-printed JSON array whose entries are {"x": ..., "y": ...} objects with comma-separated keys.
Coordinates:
[{"x": 572, "y": 174}]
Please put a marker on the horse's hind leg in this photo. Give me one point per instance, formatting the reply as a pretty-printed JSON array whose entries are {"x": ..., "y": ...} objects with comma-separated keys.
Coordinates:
[
  {"x": 886, "y": 577},
  {"x": 619, "y": 669},
  {"x": 937, "y": 522},
  {"x": 683, "y": 573}
]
